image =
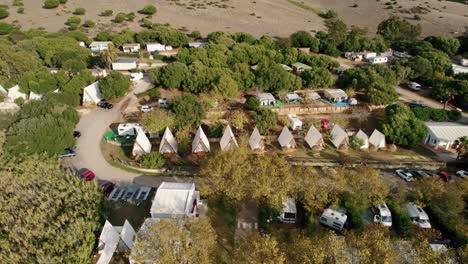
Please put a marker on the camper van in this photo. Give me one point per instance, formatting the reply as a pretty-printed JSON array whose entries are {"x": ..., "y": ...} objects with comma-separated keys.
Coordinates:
[
  {"x": 294, "y": 122},
  {"x": 128, "y": 129},
  {"x": 289, "y": 212},
  {"x": 333, "y": 219},
  {"x": 418, "y": 216},
  {"x": 382, "y": 215}
]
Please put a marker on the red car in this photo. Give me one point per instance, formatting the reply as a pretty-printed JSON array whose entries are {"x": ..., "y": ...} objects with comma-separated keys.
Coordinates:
[
  {"x": 87, "y": 175},
  {"x": 445, "y": 176}
]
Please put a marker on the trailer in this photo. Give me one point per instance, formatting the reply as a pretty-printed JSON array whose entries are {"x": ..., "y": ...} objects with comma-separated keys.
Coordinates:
[
  {"x": 333, "y": 219},
  {"x": 128, "y": 129},
  {"x": 294, "y": 122}
]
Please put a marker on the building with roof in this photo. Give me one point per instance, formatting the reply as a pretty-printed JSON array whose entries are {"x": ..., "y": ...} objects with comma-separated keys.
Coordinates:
[
  {"x": 98, "y": 46},
  {"x": 142, "y": 145},
  {"x": 314, "y": 138},
  {"x": 365, "y": 139},
  {"x": 92, "y": 94},
  {"x": 377, "y": 140},
  {"x": 175, "y": 200},
  {"x": 444, "y": 134},
  {"x": 197, "y": 44},
  {"x": 168, "y": 143},
  {"x": 98, "y": 72},
  {"x": 339, "y": 137},
  {"x": 256, "y": 140},
  {"x": 34, "y": 96},
  {"x": 228, "y": 140},
  {"x": 200, "y": 142},
  {"x": 266, "y": 99},
  {"x": 286, "y": 139},
  {"x": 378, "y": 60},
  {"x": 125, "y": 64},
  {"x": 157, "y": 47},
  {"x": 299, "y": 67},
  {"x": 335, "y": 95},
  {"x": 131, "y": 47},
  {"x": 457, "y": 69},
  {"x": 294, "y": 122},
  {"x": 114, "y": 238}
]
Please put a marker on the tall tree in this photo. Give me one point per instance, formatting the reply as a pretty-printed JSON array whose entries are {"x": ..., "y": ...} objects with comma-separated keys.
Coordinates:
[
  {"x": 114, "y": 85},
  {"x": 259, "y": 250},
  {"x": 395, "y": 28},
  {"x": 462, "y": 146}
]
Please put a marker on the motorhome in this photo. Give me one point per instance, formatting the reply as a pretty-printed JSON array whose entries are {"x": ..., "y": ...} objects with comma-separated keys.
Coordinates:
[
  {"x": 418, "y": 216},
  {"x": 382, "y": 214},
  {"x": 289, "y": 212},
  {"x": 128, "y": 129},
  {"x": 294, "y": 122},
  {"x": 333, "y": 219}
]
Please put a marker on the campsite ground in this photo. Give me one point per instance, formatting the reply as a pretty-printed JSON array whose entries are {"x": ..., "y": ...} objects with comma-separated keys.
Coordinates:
[{"x": 274, "y": 17}]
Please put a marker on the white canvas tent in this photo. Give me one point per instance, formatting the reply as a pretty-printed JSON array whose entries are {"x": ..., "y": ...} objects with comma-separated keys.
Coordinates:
[
  {"x": 200, "y": 142},
  {"x": 114, "y": 238},
  {"x": 15, "y": 93},
  {"x": 34, "y": 96},
  {"x": 377, "y": 139},
  {"x": 314, "y": 137},
  {"x": 339, "y": 137},
  {"x": 286, "y": 139},
  {"x": 365, "y": 139},
  {"x": 228, "y": 141},
  {"x": 142, "y": 144},
  {"x": 168, "y": 143},
  {"x": 92, "y": 94},
  {"x": 256, "y": 140},
  {"x": 175, "y": 200}
]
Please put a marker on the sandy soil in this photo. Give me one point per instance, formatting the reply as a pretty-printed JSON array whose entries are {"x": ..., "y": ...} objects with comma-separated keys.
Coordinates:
[{"x": 258, "y": 17}]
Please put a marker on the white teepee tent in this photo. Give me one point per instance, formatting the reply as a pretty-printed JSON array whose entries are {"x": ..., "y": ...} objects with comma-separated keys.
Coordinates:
[
  {"x": 365, "y": 139},
  {"x": 314, "y": 137},
  {"x": 168, "y": 143},
  {"x": 339, "y": 137},
  {"x": 256, "y": 140},
  {"x": 228, "y": 141},
  {"x": 142, "y": 144},
  {"x": 377, "y": 139},
  {"x": 286, "y": 139},
  {"x": 200, "y": 142}
]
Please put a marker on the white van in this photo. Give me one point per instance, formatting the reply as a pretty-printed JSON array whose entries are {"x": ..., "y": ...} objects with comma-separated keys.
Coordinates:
[
  {"x": 128, "y": 129},
  {"x": 418, "y": 216},
  {"x": 289, "y": 212},
  {"x": 382, "y": 215},
  {"x": 414, "y": 86},
  {"x": 294, "y": 122},
  {"x": 333, "y": 219}
]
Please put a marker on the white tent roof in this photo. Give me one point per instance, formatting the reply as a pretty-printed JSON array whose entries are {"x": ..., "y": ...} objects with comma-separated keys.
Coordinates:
[
  {"x": 256, "y": 140},
  {"x": 200, "y": 142},
  {"x": 142, "y": 144},
  {"x": 447, "y": 131},
  {"x": 35, "y": 96},
  {"x": 365, "y": 139},
  {"x": 173, "y": 198},
  {"x": 15, "y": 93},
  {"x": 228, "y": 141},
  {"x": 286, "y": 139},
  {"x": 108, "y": 242},
  {"x": 313, "y": 137},
  {"x": 92, "y": 94},
  {"x": 338, "y": 136},
  {"x": 127, "y": 234},
  {"x": 168, "y": 143},
  {"x": 3, "y": 90},
  {"x": 377, "y": 139}
]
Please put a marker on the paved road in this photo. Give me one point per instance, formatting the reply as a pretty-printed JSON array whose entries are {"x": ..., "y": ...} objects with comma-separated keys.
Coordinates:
[{"x": 92, "y": 126}]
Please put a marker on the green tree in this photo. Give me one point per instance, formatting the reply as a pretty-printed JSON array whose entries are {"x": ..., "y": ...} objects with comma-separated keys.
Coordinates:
[
  {"x": 50, "y": 4},
  {"x": 188, "y": 111},
  {"x": 400, "y": 126},
  {"x": 226, "y": 86},
  {"x": 3, "y": 13},
  {"x": 120, "y": 17},
  {"x": 259, "y": 250},
  {"x": 317, "y": 77},
  {"x": 148, "y": 10},
  {"x": 273, "y": 78},
  {"x": 303, "y": 39},
  {"x": 265, "y": 119},
  {"x": 157, "y": 120},
  {"x": 462, "y": 146},
  {"x": 448, "y": 45},
  {"x": 172, "y": 75},
  {"x": 114, "y": 85},
  {"x": 395, "y": 28}
]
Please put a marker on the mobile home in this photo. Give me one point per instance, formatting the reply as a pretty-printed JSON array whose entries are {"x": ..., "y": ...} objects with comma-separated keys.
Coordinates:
[
  {"x": 333, "y": 219},
  {"x": 129, "y": 129},
  {"x": 289, "y": 212},
  {"x": 382, "y": 215},
  {"x": 418, "y": 216},
  {"x": 294, "y": 122}
]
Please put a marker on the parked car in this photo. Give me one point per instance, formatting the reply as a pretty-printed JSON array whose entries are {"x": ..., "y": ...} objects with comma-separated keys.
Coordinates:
[
  {"x": 67, "y": 153},
  {"x": 105, "y": 105},
  {"x": 445, "y": 176},
  {"x": 462, "y": 174},
  {"x": 414, "y": 86},
  {"x": 87, "y": 175},
  {"x": 416, "y": 104},
  {"x": 432, "y": 174},
  {"x": 146, "y": 108},
  {"x": 420, "y": 173},
  {"x": 107, "y": 187},
  {"x": 352, "y": 101},
  {"x": 76, "y": 134},
  {"x": 163, "y": 102},
  {"x": 405, "y": 175}
]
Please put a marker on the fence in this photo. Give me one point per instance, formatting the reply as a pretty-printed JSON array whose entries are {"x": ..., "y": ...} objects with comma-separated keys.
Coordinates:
[{"x": 298, "y": 110}]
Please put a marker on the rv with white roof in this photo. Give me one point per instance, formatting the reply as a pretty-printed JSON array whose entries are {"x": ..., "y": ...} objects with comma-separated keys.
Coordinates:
[
  {"x": 418, "y": 216},
  {"x": 294, "y": 122},
  {"x": 289, "y": 212},
  {"x": 333, "y": 219},
  {"x": 128, "y": 129},
  {"x": 382, "y": 215}
]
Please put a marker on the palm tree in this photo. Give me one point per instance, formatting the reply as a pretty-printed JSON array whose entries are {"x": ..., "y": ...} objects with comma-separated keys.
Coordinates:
[{"x": 462, "y": 146}]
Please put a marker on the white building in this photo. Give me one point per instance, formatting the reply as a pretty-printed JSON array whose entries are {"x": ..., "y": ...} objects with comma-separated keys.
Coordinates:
[
  {"x": 294, "y": 122},
  {"x": 168, "y": 143},
  {"x": 175, "y": 200},
  {"x": 289, "y": 212},
  {"x": 377, "y": 139},
  {"x": 97, "y": 46},
  {"x": 292, "y": 98},
  {"x": 336, "y": 95},
  {"x": 286, "y": 139},
  {"x": 339, "y": 137},
  {"x": 457, "y": 69},
  {"x": 256, "y": 140},
  {"x": 266, "y": 99},
  {"x": 299, "y": 67},
  {"x": 314, "y": 138},
  {"x": 378, "y": 60},
  {"x": 200, "y": 142},
  {"x": 15, "y": 93},
  {"x": 114, "y": 238},
  {"x": 228, "y": 140},
  {"x": 157, "y": 47},
  {"x": 462, "y": 61},
  {"x": 333, "y": 219},
  {"x": 142, "y": 144},
  {"x": 197, "y": 44},
  {"x": 365, "y": 139},
  {"x": 444, "y": 134},
  {"x": 125, "y": 64},
  {"x": 131, "y": 47},
  {"x": 92, "y": 94},
  {"x": 369, "y": 55}
]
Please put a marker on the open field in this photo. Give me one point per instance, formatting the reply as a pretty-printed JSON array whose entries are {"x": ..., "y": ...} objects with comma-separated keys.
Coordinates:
[{"x": 274, "y": 17}]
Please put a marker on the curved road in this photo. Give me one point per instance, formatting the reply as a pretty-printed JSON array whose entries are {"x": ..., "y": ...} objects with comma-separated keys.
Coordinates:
[{"x": 92, "y": 126}]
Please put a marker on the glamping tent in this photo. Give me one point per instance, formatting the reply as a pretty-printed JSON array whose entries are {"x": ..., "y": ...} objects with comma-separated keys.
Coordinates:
[
  {"x": 365, "y": 139},
  {"x": 142, "y": 144},
  {"x": 200, "y": 142},
  {"x": 377, "y": 139},
  {"x": 314, "y": 137},
  {"x": 168, "y": 143},
  {"x": 34, "y": 96},
  {"x": 339, "y": 137},
  {"x": 256, "y": 140},
  {"x": 92, "y": 94},
  {"x": 15, "y": 93},
  {"x": 228, "y": 141},
  {"x": 286, "y": 139},
  {"x": 114, "y": 238}
]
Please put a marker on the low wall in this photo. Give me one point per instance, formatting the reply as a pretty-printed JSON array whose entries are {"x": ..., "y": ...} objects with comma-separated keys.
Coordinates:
[
  {"x": 372, "y": 163},
  {"x": 301, "y": 110}
]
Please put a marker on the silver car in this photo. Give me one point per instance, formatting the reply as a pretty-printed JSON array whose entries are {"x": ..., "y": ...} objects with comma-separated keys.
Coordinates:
[
  {"x": 67, "y": 154},
  {"x": 405, "y": 175}
]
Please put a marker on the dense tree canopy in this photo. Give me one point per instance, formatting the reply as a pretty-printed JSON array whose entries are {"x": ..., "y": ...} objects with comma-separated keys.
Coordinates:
[
  {"x": 448, "y": 45},
  {"x": 396, "y": 28},
  {"x": 114, "y": 85},
  {"x": 188, "y": 111}
]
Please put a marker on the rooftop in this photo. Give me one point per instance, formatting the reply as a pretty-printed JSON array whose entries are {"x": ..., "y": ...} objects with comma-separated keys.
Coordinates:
[
  {"x": 449, "y": 131},
  {"x": 125, "y": 60}
]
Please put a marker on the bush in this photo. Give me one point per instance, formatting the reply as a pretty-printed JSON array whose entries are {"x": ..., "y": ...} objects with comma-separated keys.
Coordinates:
[
  {"x": 252, "y": 103},
  {"x": 107, "y": 13},
  {"x": 63, "y": 1},
  {"x": 355, "y": 210},
  {"x": 74, "y": 20},
  {"x": 217, "y": 129},
  {"x": 438, "y": 115},
  {"x": 89, "y": 23},
  {"x": 3, "y": 13},
  {"x": 79, "y": 11},
  {"x": 131, "y": 16},
  {"x": 400, "y": 218},
  {"x": 119, "y": 18},
  {"x": 155, "y": 92},
  {"x": 265, "y": 119},
  {"x": 189, "y": 111},
  {"x": 329, "y": 14},
  {"x": 148, "y": 10},
  {"x": 153, "y": 160},
  {"x": 49, "y": 4},
  {"x": 19, "y": 101},
  {"x": 5, "y": 28}
]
